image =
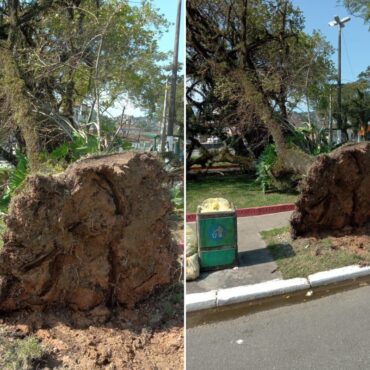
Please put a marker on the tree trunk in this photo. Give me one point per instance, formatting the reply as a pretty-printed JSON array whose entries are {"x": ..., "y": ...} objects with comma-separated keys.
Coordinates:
[
  {"x": 14, "y": 88},
  {"x": 291, "y": 159}
]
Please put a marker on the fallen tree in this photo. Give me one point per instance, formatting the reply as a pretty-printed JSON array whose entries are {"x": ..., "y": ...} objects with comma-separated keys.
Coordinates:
[
  {"x": 94, "y": 235},
  {"x": 254, "y": 56},
  {"x": 336, "y": 192}
]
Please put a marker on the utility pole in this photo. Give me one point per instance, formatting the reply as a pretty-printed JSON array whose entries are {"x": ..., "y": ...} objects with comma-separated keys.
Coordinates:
[
  {"x": 172, "y": 108},
  {"x": 340, "y": 23},
  {"x": 330, "y": 122},
  {"x": 164, "y": 120}
]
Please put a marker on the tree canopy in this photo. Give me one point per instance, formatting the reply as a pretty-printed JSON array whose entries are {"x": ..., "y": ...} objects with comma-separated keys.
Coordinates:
[
  {"x": 56, "y": 55},
  {"x": 359, "y": 8}
]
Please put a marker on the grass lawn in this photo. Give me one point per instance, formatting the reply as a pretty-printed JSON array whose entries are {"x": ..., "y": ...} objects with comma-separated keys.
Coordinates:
[
  {"x": 239, "y": 189},
  {"x": 305, "y": 256}
]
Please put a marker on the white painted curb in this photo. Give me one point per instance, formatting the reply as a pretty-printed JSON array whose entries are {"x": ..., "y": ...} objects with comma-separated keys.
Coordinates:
[
  {"x": 337, "y": 275},
  {"x": 201, "y": 301},
  {"x": 262, "y": 290},
  {"x": 245, "y": 293}
]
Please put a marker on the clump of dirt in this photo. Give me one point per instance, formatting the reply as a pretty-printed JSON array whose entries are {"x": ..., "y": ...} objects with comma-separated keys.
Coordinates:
[
  {"x": 93, "y": 237},
  {"x": 336, "y": 192}
]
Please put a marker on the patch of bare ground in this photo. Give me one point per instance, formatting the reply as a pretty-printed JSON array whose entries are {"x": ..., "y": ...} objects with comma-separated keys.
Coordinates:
[
  {"x": 302, "y": 256},
  {"x": 149, "y": 337},
  {"x": 356, "y": 241}
]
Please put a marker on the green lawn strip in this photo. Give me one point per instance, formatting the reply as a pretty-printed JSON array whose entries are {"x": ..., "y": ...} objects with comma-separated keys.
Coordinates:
[
  {"x": 305, "y": 256},
  {"x": 241, "y": 190}
]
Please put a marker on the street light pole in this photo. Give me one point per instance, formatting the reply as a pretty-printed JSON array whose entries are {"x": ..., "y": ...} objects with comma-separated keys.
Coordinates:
[
  {"x": 340, "y": 23},
  {"x": 164, "y": 120},
  {"x": 172, "y": 107}
]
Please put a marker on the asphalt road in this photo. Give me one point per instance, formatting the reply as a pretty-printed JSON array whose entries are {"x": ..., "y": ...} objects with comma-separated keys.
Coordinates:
[{"x": 327, "y": 333}]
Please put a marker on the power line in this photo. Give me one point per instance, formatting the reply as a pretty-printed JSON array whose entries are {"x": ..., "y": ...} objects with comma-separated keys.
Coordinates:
[
  {"x": 348, "y": 58},
  {"x": 134, "y": 2}
]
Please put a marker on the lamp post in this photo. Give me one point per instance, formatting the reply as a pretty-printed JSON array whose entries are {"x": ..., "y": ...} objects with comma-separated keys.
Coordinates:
[
  {"x": 340, "y": 23},
  {"x": 164, "y": 120},
  {"x": 172, "y": 107}
]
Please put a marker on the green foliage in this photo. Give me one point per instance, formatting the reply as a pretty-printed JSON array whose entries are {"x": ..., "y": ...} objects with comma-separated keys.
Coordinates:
[
  {"x": 233, "y": 81},
  {"x": 310, "y": 138},
  {"x": 359, "y": 8},
  {"x": 355, "y": 102},
  {"x": 119, "y": 143},
  {"x": 81, "y": 51},
  {"x": 20, "y": 353},
  {"x": 16, "y": 178},
  {"x": 126, "y": 145},
  {"x": 158, "y": 114},
  {"x": 60, "y": 152},
  {"x": 80, "y": 146},
  {"x": 264, "y": 165},
  {"x": 4, "y": 175}
]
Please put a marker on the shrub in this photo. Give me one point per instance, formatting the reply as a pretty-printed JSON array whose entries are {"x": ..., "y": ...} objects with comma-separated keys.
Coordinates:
[
  {"x": 16, "y": 178},
  {"x": 264, "y": 166},
  {"x": 80, "y": 146}
]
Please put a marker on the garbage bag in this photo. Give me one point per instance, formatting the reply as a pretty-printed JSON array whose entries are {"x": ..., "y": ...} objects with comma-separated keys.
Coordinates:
[
  {"x": 191, "y": 242},
  {"x": 192, "y": 267},
  {"x": 215, "y": 205}
]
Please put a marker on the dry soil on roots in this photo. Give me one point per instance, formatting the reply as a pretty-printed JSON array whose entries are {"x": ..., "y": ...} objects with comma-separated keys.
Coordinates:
[
  {"x": 336, "y": 192},
  {"x": 94, "y": 236}
]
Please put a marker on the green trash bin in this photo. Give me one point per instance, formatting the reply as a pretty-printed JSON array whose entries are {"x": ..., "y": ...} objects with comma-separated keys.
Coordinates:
[{"x": 217, "y": 239}]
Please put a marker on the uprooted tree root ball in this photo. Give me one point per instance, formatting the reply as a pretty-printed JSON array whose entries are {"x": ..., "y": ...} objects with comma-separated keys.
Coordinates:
[
  {"x": 336, "y": 193},
  {"x": 94, "y": 235}
]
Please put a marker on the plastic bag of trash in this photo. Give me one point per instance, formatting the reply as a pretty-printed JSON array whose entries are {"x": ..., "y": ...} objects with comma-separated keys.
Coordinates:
[
  {"x": 191, "y": 242},
  {"x": 215, "y": 205},
  {"x": 192, "y": 267}
]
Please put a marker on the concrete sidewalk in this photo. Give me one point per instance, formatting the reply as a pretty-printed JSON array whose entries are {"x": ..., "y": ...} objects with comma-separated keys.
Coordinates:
[{"x": 255, "y": 262}]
